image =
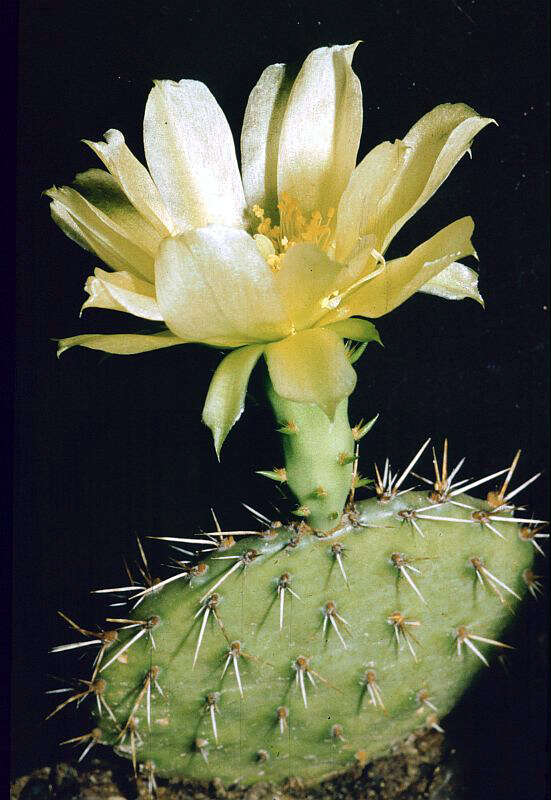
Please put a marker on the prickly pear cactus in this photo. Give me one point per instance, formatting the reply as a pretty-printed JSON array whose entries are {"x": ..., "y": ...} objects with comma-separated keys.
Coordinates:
[
  {"x": 304, "y": 646},
  {"x": 294, "y": 653}
]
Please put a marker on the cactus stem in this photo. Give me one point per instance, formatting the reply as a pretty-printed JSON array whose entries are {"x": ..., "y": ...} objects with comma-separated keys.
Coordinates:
[
  {"x": 464, "y": 637},
  {"x": 312, "y": 458},
  {"x": 403, "y": 566},
  {"x": 400, "y": 623}
]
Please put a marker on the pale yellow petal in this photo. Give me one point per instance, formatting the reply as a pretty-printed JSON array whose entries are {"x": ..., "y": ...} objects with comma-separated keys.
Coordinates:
[
  {"x": 304, "y": 282},
  {"x": 361, "y": 202},
  {"x": 134, "y": 180},
  {"x": 402, "y": 277},
  {"x": 321, "y": 130},
  {"x": 434, "y": 146},
  {"x": 123, "y": 344},
  {"x": 102, "y": 235},
  {"x": 260, "y": 137},
  {"x": 311, "y": 367},
  {"x": 213, "y": 282},
  {"x": 68, "y": 224},
  {"x": 121, "y": 291},
  {"x": 191, "y": 155},
  {"x": 225, "y": 399},
  {"x": 101, "y": 189},
  {"x": 456, "y": 282}
]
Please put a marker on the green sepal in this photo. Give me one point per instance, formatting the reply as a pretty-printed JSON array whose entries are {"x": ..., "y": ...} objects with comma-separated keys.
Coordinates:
[
  {"x": 225, "y": 399},
  {"x": 360, "y": 430},
  {"x": 355, "y": 351},
  {"x": 359, "y": 330},
  {"x": 279, "y": 475}
]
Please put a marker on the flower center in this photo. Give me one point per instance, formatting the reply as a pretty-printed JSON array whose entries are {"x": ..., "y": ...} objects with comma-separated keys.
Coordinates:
[{"x": 294, "y": 227}]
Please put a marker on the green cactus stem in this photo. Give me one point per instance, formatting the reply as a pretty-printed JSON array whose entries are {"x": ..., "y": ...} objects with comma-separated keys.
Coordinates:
[
  {"x": 319, "y": 455},
  {"x": 295, "y": 654}
]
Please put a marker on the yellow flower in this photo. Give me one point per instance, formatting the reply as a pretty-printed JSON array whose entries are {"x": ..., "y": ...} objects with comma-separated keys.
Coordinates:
[{"x": 277, "y": 260}]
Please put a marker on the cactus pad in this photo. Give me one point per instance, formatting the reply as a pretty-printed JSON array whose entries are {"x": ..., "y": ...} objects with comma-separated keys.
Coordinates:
[{"x": 315, "y": 650}]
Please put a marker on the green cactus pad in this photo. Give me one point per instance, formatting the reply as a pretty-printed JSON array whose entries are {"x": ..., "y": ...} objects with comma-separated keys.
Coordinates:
[{"x": 268, "y": 734}]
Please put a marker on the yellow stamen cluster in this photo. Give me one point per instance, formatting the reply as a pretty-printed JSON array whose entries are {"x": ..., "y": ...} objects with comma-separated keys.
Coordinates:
[{"x": 294, "y": 227}]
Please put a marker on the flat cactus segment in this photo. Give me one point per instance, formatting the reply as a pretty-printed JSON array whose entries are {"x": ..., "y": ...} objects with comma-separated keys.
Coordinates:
[{"x": 356, "y": 661}]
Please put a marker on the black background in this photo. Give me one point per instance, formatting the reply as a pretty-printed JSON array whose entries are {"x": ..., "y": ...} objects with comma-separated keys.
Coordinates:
[{"x": 110, "y": 447}]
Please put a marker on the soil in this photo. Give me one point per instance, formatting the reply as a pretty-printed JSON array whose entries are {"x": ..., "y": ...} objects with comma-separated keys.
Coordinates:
[{"x": 420, "y": 768}]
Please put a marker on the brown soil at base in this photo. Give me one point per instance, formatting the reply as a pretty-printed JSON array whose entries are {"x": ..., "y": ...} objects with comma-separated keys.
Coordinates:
[{"x": 419, "y": 768}]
